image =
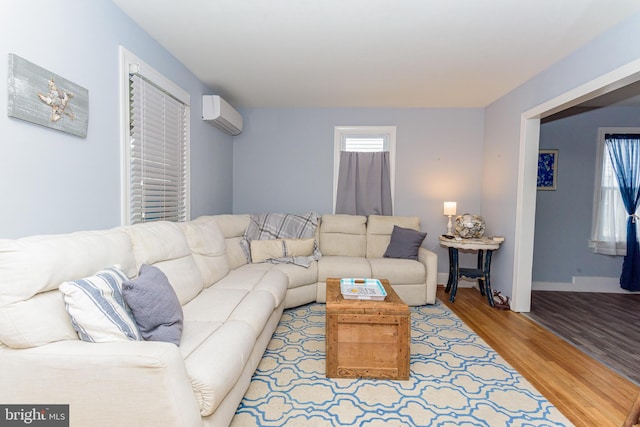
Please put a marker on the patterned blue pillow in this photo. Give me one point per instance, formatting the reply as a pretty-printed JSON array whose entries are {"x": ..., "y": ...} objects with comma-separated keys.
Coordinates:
[{"x": 96, "y": 307}]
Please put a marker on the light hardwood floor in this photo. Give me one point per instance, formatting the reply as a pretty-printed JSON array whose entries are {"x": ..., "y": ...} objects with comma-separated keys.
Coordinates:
[{"x": 583, "y": 389}]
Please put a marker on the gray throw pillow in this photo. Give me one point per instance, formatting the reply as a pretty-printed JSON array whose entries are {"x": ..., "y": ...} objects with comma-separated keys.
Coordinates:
[
  {"x": 155, "y": 305},
  {"x": 404, "y": 243}
]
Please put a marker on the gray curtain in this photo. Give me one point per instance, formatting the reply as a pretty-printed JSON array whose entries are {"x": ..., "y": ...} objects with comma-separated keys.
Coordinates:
[{"x": 364, "y": 184}]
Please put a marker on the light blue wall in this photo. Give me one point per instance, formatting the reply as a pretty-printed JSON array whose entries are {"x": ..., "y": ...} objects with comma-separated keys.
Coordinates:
[
  {"x": 53, "y": 182},
  {"x": 503, "y": 124},
  {"x": 283, "y": 161},
  {"x": 564, "y": 216}
]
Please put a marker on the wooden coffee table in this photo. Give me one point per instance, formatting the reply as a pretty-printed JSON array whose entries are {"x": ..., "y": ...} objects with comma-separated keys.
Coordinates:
[{"x": 365, "y": 338}]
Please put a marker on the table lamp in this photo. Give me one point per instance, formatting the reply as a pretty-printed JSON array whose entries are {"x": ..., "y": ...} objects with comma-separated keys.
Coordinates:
[{"x": 449, "y": 210}]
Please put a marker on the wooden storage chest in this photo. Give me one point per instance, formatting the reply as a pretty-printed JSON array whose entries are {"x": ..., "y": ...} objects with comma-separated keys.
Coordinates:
[{"x": 365, "y": 338}]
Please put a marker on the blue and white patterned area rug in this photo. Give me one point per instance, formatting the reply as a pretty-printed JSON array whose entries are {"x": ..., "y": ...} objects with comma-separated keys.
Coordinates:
[{"x": 456, "y": 380}]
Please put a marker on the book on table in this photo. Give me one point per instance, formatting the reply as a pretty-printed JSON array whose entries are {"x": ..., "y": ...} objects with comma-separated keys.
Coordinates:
[{"x": 362, "y": 288}]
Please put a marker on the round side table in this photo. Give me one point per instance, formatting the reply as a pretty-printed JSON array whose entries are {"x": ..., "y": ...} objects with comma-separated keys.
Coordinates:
[{"x": 485, "y": 247}]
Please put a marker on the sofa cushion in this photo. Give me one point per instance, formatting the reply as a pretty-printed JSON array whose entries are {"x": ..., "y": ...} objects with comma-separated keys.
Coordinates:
[
  {"x": 31, "y": 270},
  {"x": 398, "y": 271},
  {"x": 254, "y": 310},
  {"x": 194, "y": 332},
  {"x": 154, "y": 304},
  {"x": 97, "y": 309},
  {"x": 184, "y": 276},
  {"x": 164, "y": 245},
  {"x": 343, "y": 235},
  {"x": 379, "y": 229},
  {"x": 215, "y": 366},
  {"x": 404, "y": 243},
  {"x": 263, "y": 250},
  {"x": 299, "y": 276},
  {"x": 213, "y": 305},
  {"x": 233, "y": 228},
  {"x": 248, "y": 279},
  {"x": 21, "y": 325},
  {"x": 157, "y": 241},
  {"x": 208, "y": 246},
  {"x": 217, "y": 303},
  {"x": 232, "y": 225},
  {"x": 235, "y": 254},
  {"x": 342, "y": 266},
  {"x": 40, "y": 263}
]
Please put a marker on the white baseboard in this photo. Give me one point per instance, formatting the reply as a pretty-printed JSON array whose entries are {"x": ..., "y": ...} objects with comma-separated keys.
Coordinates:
[
  {"x": 551, "y": 286},
  {"x": 582, "y": 284},
  {"x": 579, "y": 284}
]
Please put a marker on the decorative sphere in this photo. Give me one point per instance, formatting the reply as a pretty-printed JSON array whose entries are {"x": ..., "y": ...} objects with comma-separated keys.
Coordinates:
[{"x": 469, "y": 226}]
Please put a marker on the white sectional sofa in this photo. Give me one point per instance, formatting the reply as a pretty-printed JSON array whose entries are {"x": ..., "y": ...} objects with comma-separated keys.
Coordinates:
[{"x": 230, "y": 306}]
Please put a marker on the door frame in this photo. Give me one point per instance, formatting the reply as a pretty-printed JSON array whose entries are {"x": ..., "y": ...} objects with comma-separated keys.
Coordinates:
[{"x": 528, "y": 170}]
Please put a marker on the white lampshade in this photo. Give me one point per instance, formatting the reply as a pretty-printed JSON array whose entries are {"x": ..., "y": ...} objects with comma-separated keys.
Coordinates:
[{"x": 449, "y": 208}]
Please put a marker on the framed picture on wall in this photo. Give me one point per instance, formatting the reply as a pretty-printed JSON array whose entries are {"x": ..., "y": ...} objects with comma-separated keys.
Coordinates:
[
  {"x": 39, "y": 96},
  {"x": 548, "y": 170}
]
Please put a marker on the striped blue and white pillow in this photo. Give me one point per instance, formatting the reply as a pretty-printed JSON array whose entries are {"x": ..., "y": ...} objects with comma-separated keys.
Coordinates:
[{"x": 96, "y": 307}]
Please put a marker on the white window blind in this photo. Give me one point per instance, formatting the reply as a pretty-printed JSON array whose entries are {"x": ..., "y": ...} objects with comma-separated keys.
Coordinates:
[
  {"x": 158, "y": 153},
  {"x": 366, "y": 144}
]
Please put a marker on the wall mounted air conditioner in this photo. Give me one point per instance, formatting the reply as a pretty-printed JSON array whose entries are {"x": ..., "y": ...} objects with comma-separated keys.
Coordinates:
[{"x": 219, "y": 113}]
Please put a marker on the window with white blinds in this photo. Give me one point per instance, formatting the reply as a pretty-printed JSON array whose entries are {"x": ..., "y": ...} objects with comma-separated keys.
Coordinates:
[{"x": 158, "y": 150}]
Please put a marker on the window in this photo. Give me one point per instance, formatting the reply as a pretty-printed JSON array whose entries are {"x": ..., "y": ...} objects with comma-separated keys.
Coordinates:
[
  {"x": 155, "y": 136},
  {"x": 364, "y": 139},
  {"x": 609, "y": 223},
  {"x": 365, "y": 144}
]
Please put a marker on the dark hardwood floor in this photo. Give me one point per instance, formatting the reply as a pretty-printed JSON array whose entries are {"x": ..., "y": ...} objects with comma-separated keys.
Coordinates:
[
  {"x": 585, "y": 390},
  {"x": 604, "y": 325}
]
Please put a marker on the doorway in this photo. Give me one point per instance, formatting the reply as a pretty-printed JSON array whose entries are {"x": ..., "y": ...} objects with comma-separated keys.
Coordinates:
[{"x": 527, "y": 170}]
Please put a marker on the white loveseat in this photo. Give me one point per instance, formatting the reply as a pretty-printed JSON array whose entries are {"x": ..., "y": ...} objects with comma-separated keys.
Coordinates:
[{"x": 231, "y": 308}]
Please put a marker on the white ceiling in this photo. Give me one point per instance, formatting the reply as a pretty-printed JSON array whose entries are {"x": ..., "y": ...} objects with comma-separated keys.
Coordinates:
[{"x": 371, "y": 53}]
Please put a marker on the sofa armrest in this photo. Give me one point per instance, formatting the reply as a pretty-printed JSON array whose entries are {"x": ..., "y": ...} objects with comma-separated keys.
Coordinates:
[
  {"x": 116, "y": 383},
  {"x": 430, "y": 261}
]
